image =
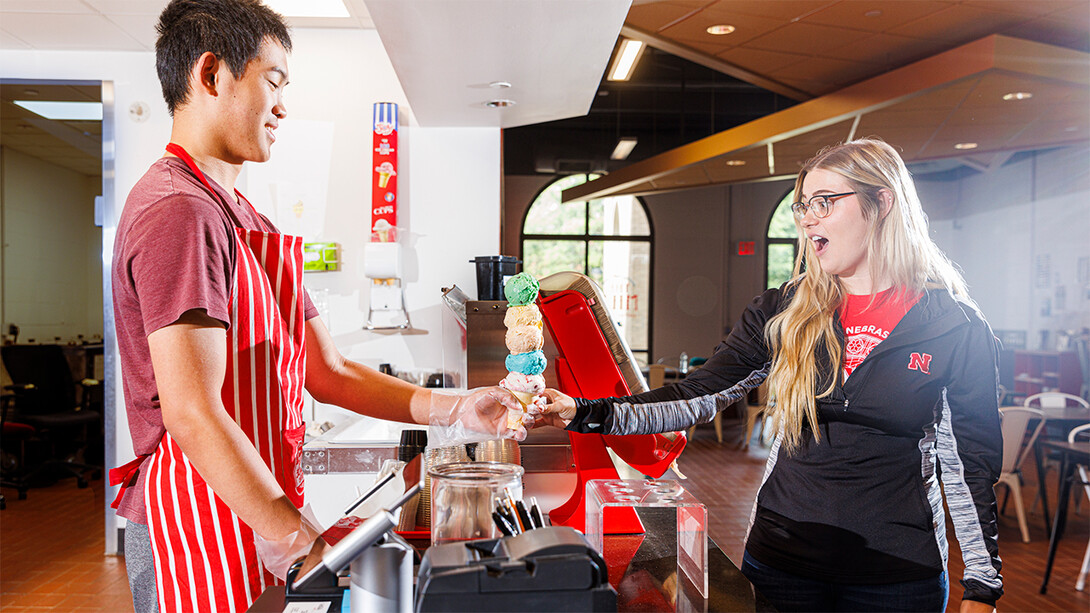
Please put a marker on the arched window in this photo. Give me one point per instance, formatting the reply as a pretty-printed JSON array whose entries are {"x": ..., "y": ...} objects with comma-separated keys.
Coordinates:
[
  {"x": 782, "y": 246},
  {"x": 610, "y": 240}
]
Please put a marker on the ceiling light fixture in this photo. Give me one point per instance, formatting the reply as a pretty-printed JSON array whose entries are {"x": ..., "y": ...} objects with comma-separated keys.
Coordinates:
[
  {"x": 1018, "y": 96},
  {"x": 63, "y": 111},
  {"x": 874, "y": 13},
  {"x": 736, "y": 162},
  {"x": 500, "y": 103},
  {"x": 964, "y": 146},
  {"x": 625, "y": 61},
  {"x": 624, "y": 146},
  {"x": 499, "y": 84},
  {"x": 309, "y": 8},
  {"x": 720, "y": 29}
]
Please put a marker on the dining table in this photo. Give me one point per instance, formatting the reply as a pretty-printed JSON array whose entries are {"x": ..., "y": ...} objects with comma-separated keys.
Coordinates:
[
  {"x": 1071, "y": 454},
  {"x": 1065, "y": 419}
]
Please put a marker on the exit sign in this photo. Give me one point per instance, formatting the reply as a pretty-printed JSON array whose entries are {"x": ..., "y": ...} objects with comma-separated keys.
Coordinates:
[{"x": 746, "y": 247}]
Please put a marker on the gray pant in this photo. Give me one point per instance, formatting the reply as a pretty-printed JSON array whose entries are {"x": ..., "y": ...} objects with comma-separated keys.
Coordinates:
[{"x": 140, "y": 566}]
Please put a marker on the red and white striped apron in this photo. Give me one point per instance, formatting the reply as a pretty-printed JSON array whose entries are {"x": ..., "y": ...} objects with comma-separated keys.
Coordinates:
[{"x": 204, "y": 555}]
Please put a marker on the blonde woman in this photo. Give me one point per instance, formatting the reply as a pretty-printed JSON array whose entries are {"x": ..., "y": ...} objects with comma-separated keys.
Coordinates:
[{"x": 881, "y": 370}]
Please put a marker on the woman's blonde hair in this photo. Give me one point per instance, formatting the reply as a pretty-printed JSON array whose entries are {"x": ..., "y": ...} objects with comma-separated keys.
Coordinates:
[{"x": 898, "y": 249}]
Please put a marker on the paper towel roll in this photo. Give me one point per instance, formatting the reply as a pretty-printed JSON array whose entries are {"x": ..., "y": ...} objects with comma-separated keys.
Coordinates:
[{"x": 382, "y": 260}]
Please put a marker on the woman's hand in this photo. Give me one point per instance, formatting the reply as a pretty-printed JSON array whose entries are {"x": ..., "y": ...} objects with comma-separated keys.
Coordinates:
[{"x": 559, "y": 409}]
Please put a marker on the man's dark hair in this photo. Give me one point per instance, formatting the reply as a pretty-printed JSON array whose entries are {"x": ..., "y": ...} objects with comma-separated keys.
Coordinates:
[{"x": 233, "y": 30}]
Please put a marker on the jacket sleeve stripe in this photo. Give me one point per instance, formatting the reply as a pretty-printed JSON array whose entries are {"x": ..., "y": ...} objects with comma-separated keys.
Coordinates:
[{"x": 673, "y": 415}]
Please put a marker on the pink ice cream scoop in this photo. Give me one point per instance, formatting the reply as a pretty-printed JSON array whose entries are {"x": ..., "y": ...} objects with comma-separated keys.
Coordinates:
[
  {"x": 527, "y": 384},
  {"x": 524, "y": 339}
]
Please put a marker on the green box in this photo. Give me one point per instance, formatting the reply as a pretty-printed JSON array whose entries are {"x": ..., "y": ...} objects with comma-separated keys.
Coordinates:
[{"x": 321, "y": 257}]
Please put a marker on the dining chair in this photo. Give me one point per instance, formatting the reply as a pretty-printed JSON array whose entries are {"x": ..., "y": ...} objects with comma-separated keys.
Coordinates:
[
  {"x": 1016, "y": 446},
  {"x": 1047, "y": 401},
  {"x": 1082, "y": 433}
]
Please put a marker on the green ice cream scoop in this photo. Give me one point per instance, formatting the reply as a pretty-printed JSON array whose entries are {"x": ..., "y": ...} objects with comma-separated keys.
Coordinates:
[{"x": 521, "y": 289}]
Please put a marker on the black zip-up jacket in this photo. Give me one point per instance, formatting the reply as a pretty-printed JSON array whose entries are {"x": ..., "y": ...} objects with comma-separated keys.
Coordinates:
[{"x": 863, "y": 503}]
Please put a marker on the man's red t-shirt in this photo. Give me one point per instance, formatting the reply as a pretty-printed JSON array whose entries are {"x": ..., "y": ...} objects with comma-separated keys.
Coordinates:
[
  {"x": 866, "y": 324},
  {"x": 175, "y": 251}
]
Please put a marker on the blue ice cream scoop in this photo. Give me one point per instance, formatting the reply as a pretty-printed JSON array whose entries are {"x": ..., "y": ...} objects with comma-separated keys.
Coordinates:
[{"x": 529, "y": 363}]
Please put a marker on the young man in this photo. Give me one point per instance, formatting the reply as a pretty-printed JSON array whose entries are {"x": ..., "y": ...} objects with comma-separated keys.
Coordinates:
[{"x": 218, "y": 338}]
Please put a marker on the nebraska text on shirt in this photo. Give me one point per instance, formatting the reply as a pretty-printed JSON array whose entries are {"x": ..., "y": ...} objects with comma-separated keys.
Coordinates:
[{"x": 873, "y": 330}]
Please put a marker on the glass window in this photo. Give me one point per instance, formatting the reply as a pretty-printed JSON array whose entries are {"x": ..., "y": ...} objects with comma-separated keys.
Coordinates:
[
  {"x": 609, "y": 240},
  {"x": 781, "y": 246}
]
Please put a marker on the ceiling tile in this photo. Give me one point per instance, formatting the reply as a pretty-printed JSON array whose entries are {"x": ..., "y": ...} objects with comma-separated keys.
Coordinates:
[
  {"x": 1033, "y": 8},
  {"x": 884, "y": 50},
  {"x": 826, "y": 70},
  {"x": 957, "y": 24},
  {"x": 10, "y": 41},
  {"x": 1071, "y": 33},
  {"x": 47, "y": 6},
  {"x": 139, "y": 27},
  {"x": 852, "y": 15},
  {"x": 760, "y": 61},
  {"x": 780, "y": 10},
  {"x": 747, "y": 27},
  {"x": 129, "y": 7},
  {"x": 803, "y": 38},
  {"x": 652, "y": 16},
  {"x": 60, "y": 31},
  {"x": 689, "y": 176}
]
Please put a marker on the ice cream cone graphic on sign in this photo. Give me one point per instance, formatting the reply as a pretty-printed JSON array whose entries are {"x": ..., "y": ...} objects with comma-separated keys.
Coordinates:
[{"x": 385, "y": 170}]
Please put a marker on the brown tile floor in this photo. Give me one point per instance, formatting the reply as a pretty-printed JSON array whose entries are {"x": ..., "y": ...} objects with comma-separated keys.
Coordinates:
[{"x": 51, "y": 545}]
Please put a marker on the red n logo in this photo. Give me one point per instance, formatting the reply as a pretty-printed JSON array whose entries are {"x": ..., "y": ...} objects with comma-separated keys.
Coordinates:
[{"x": 920, "y": 362}]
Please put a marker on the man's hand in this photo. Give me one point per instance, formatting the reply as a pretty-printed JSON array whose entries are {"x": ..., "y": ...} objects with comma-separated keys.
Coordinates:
[
  {"x": 559, "y": 409},
  {"x": 974, "y": 606},
  {"x": 478, "y": 414}
]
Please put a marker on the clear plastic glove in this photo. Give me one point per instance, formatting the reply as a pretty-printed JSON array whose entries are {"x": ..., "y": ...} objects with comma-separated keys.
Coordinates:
[
  {"x": 278, "y": 555},
  {"x": 558, "y": 411},
  {"x": 474, "y": 415}
]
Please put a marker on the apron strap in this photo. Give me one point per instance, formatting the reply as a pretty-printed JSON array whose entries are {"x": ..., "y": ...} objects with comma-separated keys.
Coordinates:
[
  {"x": 125, "y": 476},
  {"x": 177, "y": 150}
]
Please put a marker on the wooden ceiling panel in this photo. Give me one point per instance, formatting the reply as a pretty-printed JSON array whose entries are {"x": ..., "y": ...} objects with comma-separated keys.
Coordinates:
[
  {"x": 747, "y": 27},
  {"x": 691, "y": 176},
  {"x": 1033, "y": 8},
  {"x": 803, "y": 38},
  {"x": 943, "y": 98},
  {"x": 897, "y": 117},
  {"x": 1050, "y": 133},
  {"x": 958, "y": 24},
  {"x": 784, "y": 11},
  {"x": 654, "y": 16},
  {"x": 823, "y": 70},
  {"x": 766, "y": 60},
  {"x": 1071, "y": 33},
  {"x": 884, "y": 50},
  {"x": 853, "y": 15},
  {"x": 755, "y": 165}
]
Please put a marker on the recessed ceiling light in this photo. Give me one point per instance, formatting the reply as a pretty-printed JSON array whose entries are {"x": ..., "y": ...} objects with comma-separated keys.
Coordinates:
[
  {"x": 64, "y": 111},
  {"x": 499, "y": 84},
  {"x": 625, "y": 145},
  {"x": 309, "y": 8},
  {"x": 736, "y": 162},
  {"x": 720, "y": 29},
  {"x": 30, "y": 92},
  {"x": 1018, "y": 96},
  {"x": 626, "y": 59},
  {"x": 874, "y": 13},
  {"x": 500, "y": 103},
  {"x": 963, "y": 146}
]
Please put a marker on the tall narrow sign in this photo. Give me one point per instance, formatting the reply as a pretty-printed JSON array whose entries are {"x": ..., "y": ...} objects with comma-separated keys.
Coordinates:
[{"x": 384, "y": 174}]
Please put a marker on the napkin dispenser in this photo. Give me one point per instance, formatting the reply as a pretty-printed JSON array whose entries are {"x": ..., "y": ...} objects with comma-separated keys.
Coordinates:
[{"x": 547, "y": 569}]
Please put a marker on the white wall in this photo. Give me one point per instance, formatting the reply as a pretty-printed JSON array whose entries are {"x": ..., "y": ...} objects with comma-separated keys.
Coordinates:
[{"x": 52, "y": 266}]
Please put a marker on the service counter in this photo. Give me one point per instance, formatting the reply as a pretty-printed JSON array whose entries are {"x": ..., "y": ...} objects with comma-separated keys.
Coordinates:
[{"x": 643, "y": 570}]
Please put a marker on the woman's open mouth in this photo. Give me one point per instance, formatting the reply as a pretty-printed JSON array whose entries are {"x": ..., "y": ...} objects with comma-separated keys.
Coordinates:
[{"x": 820, "y": 244}]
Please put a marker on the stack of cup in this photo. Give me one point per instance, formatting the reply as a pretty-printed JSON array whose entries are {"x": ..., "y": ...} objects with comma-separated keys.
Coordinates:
[{"x": 524, "y": 340}]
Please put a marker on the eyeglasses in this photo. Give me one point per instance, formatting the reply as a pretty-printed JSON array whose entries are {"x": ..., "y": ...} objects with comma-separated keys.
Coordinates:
[{"x": 820, "y": 205}]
